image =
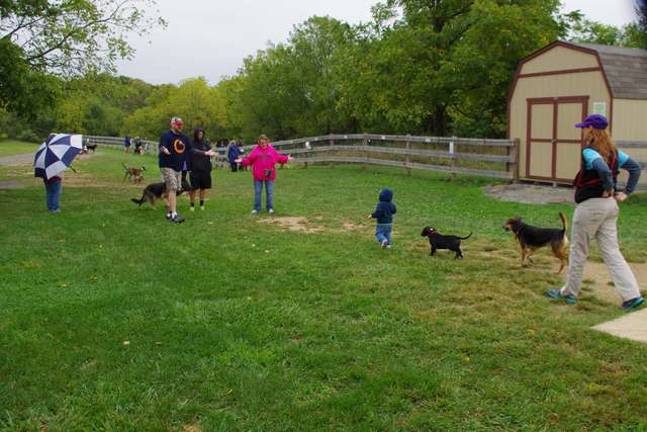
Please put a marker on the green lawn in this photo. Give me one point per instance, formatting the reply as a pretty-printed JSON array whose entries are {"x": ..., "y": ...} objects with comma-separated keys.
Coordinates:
[
  {"x": 10, "y": 148},
  {"x": 113, "y": 319}
]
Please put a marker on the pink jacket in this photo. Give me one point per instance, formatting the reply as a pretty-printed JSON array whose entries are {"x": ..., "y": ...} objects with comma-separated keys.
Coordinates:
[{"x": 262, "y": 159}]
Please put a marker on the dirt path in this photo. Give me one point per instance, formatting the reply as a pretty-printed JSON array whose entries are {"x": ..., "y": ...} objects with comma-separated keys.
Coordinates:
[
  {"x": 530, "y": 194},
  {"x": 20, "y": 159}
]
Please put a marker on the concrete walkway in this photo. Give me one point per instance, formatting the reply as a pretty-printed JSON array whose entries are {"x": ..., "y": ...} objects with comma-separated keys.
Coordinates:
[
  {"x": 20, "y": 159},
  {"x": 632, "y": 326}
]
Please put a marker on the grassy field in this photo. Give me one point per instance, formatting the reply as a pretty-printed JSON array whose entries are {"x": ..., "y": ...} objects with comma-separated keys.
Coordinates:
[
  {"x": 113, "y": 319},
  {"x": 9, "y": 148}
]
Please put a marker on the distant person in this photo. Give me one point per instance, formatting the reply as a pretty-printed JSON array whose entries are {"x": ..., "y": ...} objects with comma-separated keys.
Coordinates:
[
  {"x": 383, "y": 213},
  {"x": 173, "y": 149},
  {"x": 200, "y": 167},
  {"x": 596, "y": 214},
  {"x": 263, "y": 160},
  {"x": 241, "y": 152},
  {"x": 126, "y": 143},
  {"x": 138, "y": 145},
  {"x": 233, "y": 153}
]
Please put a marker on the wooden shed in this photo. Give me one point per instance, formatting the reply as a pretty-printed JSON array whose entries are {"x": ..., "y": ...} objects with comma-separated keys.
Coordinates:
[{"x": 560, "y": 84}]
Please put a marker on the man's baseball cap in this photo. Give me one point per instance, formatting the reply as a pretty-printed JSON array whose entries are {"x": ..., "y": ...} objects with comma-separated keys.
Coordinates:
[
  {"x": 177, "y": 122},
  {"x": 596, "y": 121}
]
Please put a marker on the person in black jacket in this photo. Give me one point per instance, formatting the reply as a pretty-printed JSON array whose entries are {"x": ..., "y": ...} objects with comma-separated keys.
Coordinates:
[
  {"x": 199, "y": 164},
  {"x": 384, "y": 212}
]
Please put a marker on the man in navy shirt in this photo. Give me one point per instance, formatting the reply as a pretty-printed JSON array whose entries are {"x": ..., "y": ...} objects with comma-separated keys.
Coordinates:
[{"x": 173, "y": 149}]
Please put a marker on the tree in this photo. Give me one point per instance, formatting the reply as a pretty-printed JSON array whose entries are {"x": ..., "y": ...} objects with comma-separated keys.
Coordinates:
[
  {"x": 641, "y": 25},
  {"x": 441, "y": 66},
  {"x": 194, "y": 100},
  {"x": 65, "y": 38}
]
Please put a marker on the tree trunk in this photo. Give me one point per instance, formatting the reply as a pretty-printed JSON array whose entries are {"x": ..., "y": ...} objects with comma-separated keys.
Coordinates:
[{"x": 438, "y": 121}]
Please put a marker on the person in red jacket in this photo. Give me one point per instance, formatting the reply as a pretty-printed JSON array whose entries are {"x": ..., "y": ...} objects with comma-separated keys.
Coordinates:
[{"x": 263, "y": 160}]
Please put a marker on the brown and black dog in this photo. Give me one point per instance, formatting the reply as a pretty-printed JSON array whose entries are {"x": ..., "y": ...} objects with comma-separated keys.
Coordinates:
[
  {"x": 531, "y": 238},
  {"x": 134, "y": 174},
  {"x": 155, "y": 191}
]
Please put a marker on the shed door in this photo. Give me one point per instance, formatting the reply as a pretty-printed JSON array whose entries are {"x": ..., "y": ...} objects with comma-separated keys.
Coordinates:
[{"x": 553, "y": 144}]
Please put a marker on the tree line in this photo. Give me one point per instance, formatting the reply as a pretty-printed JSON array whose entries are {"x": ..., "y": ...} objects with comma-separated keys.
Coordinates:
[{"x": 440, "y": 67}]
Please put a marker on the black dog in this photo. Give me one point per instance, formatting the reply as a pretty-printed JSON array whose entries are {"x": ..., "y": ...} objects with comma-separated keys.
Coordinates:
[
  {"x": 92, "y": 147},
  {"x": 531, "y": 238},
  {"x": 439, "y": 241},
  {"x": 155, "y": 191}
]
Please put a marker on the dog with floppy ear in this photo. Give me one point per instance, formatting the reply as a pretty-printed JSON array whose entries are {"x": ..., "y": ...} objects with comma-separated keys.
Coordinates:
[
  {"x": 532, "y": 238},
  {"x": 439, "y": 241},
  {"x": 134, "y": 174}
]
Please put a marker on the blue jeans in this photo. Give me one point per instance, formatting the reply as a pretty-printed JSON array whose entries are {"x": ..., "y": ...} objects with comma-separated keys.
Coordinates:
[
  {"x": 383, "y": 232},
  {"x": 53, "y": 194},
  {"x": 258, "y": 188}
]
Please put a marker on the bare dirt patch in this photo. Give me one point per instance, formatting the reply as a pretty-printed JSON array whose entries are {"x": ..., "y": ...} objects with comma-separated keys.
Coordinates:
[
  {"x": 349, "y": 226},
  {"x": 598, "y": 283},
  {"x": 292, "y": 223},
  {"x": 191, "y": 428},
  {"x": 530, "y": 194}
]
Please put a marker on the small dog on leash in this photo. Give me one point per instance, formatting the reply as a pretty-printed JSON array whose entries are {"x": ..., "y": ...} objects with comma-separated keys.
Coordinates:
[
  {"x": 134, "y": 174},
  {"x": 439, "y": 241},
  {"x": 531, "y": 238},
  {"x": 155, "y": 191},
  {"x": 92, "y": 147}
]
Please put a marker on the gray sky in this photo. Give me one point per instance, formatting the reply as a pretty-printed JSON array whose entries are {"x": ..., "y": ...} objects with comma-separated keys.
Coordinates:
[{"x": 210, "y": 38}]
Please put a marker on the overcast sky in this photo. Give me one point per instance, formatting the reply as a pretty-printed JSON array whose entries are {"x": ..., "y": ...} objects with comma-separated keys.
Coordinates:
[{"x": 210, "y": 38}]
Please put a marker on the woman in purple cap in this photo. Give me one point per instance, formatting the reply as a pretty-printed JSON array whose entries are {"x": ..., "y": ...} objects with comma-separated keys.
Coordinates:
[{"x": 596, "y": 214}]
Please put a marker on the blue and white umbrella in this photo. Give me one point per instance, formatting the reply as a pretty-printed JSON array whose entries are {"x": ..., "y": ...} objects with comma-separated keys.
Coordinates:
[{"x": 56, "y": 154}]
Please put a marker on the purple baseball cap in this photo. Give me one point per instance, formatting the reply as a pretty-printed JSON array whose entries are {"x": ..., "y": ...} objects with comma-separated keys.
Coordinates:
[{"x": 596, "y": 121}]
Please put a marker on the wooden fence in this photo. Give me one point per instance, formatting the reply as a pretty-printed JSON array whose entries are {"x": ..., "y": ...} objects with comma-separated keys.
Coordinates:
[{"x": 481, "y": 157}]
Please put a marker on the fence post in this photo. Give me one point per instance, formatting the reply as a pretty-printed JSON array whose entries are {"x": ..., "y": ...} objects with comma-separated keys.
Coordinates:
[
  {"x": 365, "y": 143},
  {"x": 452, "y": 151},
  {"x": 408, "y": 160},
  {"x": 513, "y": 154}
]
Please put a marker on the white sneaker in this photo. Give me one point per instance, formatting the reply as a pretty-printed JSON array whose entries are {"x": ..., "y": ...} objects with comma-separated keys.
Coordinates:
[
  {"x": 192, "y": 208},
  {"x": 271, "y": 211},
  {"x": 254, "y": 212},
  {"x": 202, "y": 208},
  {"x": 384, "y": 244}
]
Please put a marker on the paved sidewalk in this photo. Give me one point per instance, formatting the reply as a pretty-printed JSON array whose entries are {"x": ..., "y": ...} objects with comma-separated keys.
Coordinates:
[
  {"x": 632, "y": 326},
  {"x": 20, "y": 159}
]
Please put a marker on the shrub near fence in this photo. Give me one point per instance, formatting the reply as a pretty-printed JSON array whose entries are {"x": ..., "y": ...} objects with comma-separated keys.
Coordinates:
[{"x": 482, "y": 157}]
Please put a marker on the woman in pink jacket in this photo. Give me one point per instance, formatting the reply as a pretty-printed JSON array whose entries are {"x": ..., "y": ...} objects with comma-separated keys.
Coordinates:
[{"x": 263, "y": 159}]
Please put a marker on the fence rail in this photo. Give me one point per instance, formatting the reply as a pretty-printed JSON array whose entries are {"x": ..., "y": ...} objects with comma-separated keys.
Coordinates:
[{"x": 483, "y": 157}]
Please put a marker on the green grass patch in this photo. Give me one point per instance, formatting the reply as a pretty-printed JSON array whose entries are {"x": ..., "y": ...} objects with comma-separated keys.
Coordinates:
[
  {"x": 10, "y": 148},
  {"x": 113, "y": 319}
]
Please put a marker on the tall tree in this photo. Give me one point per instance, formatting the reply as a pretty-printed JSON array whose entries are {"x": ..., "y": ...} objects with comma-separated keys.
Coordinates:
[
  {"x": 441, "y": 66},
  {"x": 641, "y": 11},
  {"x": 64, "y": 37}
]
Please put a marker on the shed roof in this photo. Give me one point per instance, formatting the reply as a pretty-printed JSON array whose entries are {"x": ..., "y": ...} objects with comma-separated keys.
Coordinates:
[{"x": 625, "y": 68}]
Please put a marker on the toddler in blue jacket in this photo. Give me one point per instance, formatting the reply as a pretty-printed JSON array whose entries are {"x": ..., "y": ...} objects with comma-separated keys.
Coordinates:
[{"x": 384, "y": 212}]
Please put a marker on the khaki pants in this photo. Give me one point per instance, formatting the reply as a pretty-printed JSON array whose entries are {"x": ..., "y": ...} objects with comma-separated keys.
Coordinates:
[{"x": 596, "y": 218}]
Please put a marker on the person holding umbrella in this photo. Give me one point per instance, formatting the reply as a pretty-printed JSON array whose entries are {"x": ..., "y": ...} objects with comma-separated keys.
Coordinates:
[{"x": 53, "y": 157}]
